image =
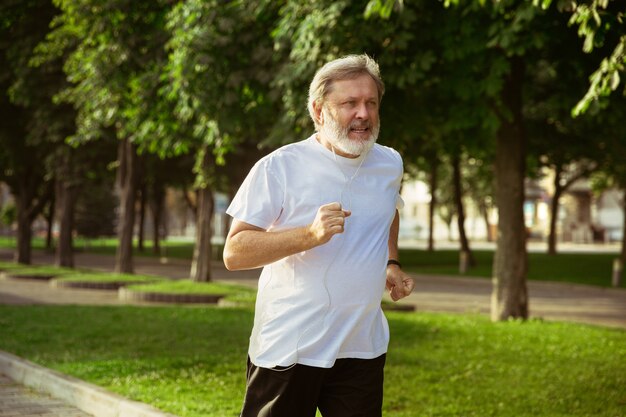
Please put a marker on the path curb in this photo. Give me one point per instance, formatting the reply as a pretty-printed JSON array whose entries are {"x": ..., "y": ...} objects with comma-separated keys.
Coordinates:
[{"x": 87, "y": 397}]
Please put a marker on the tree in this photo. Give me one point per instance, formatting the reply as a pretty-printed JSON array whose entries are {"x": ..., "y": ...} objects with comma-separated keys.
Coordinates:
[
  {"x": 114, "y": 52},
  {"x": 566, "y": 145},
  {"x": 601, "y": 23},
  {"x": 611, "y": 172},
  {"x": 221, "y": 65},
  {"x": 33, "y": 125},
  {"x": 499, "y": 43}
]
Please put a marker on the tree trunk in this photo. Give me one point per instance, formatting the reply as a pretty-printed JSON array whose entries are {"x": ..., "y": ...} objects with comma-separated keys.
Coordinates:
[
  {"x": 50, "y": 221},
  {"x": 201, "y": 264},
  {"x": 510, "y": 295},
  {"x": 156, "y": 207},
  {"x": 460, "y": 210},
  {"x": 128, "y": 186},
  {"x": 623, "y": 251},
  {"x": 433, "y": 203},
  {"x": 24, "y": 199},
  {"x": 142, "y": 217},
  {"x": 67, "y": 200},
  {"x": 484, "y": 212},
  {"x": 554, "y": 211},
  {"x": 31, "y": 196},
  {"x": 24, "y": 231}
]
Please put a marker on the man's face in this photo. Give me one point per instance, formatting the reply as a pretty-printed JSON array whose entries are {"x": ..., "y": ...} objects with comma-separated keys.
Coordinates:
[{"x": 349, "y": 117}]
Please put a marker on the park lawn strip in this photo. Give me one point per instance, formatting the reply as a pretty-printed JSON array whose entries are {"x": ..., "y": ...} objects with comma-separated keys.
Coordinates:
[
  {"x": 190, "y": 361},
  {"x": 578, "y": 268},
  {"x": 234, "y": 293},
  {"x": 8, "y": 266},
  {"x": 40, "y": 270},
  {"x": 106, "y": 277}
]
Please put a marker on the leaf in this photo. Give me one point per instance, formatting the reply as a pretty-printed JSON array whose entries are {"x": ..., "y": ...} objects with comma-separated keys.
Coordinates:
[{"x": 615, "y": 79}]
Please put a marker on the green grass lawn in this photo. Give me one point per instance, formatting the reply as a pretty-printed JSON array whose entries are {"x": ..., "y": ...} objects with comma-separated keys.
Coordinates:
[
  {"x": 190, "y": 361},
  {"x": 232, "y": 292},
  {"x": 579, "y": 268},
  {"x": 106, "y": 277},
  {"x": 8, "y": 266},
  {"x": 40, "y": 270}
]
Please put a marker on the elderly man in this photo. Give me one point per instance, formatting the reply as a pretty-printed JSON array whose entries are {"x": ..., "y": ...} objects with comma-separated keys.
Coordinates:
[{"x": 320, "y": 216}]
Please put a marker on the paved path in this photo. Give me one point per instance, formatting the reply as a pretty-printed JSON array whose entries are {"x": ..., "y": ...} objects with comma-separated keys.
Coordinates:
[{"x": 18, "y": 401}]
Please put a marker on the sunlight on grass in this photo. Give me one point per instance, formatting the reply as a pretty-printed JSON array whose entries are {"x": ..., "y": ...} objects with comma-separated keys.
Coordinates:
[{"x": 190, "y": 361}]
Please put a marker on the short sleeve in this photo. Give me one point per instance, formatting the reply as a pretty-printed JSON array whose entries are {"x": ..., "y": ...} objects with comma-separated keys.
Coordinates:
[
  {"x": 260, "y": 198},
  {"x": 399, "y": 199},
  {"x": 399, "y": 202}
]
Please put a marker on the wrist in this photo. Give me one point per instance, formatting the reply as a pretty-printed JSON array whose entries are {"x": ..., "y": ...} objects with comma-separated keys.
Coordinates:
[
  {"x": 394, "y": 262},
  {"x": 313, "y": 238}
]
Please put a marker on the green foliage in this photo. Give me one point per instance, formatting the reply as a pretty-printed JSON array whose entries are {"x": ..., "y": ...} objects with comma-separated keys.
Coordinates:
[
  {"x": 221, "y": 62},
  {"x": 600, "y": 22},
  {"x": 191, "y": 361},
  {"x": 8, "y": 214},
  {"x": 382, "y": 7},
  {"x": 33, "y": 126},
  {"x": 113, "y": 54}
]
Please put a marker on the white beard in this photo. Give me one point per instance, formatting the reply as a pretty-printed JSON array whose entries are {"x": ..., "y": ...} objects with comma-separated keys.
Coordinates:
[{"x": 339, "y": 135}]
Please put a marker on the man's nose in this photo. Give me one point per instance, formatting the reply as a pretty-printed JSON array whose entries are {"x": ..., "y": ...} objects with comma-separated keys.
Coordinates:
[{"x": 362, "y": 112}]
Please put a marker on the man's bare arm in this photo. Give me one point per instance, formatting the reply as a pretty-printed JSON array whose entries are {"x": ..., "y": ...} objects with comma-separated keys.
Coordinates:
[
  {"x": 249, "y": 247},
  {"x": 399, "y": 284}
]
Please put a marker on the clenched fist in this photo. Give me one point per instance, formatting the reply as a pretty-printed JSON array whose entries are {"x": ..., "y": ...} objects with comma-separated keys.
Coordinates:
[{"x": 329, "y": 221}]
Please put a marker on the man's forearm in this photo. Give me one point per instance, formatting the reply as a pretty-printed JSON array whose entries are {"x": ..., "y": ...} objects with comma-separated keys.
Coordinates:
[
  {"x": 251, "y": 249},
  {"x": 394, "y": 231}
]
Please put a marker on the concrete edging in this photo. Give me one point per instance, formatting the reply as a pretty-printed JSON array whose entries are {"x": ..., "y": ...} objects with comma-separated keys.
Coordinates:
[
  {"x": 87, "y": 397},
  {"x": 124, "y": 294}
]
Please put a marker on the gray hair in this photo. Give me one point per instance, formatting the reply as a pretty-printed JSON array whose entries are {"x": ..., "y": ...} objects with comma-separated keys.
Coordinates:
[{"x": 348, "y": 67}]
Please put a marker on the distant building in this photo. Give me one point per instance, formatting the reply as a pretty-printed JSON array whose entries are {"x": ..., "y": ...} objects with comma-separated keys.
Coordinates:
[{"x": 582, "y": 217}]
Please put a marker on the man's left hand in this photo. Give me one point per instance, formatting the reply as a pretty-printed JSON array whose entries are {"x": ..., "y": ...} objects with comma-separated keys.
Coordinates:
[{"x": 398, "y": 284}]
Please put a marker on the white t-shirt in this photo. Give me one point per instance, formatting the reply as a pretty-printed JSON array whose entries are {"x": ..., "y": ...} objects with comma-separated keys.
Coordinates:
[{"x": 322, "y": 304}]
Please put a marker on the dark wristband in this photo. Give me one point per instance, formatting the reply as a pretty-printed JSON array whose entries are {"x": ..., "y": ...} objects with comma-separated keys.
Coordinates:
[{"x": 393, "y": 262}]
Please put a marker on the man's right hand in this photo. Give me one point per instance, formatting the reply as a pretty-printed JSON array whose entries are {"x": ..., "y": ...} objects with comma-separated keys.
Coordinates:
[{"x": 329, "y": 221}]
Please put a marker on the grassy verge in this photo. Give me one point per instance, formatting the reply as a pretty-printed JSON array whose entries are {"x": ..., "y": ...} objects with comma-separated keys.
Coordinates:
[
  {"x": 39, "y": 270},
  {"x": 580, "y": 268},
  {"x": 191, "y": 361},
  {"x": 9, "y": 266},
  {"x": 231, "y": 292},
  {"x": 106, "y": 277}
]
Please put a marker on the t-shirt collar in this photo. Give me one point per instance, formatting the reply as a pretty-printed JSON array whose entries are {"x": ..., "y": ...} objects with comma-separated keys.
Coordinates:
[{"x": 330, "y": 154}]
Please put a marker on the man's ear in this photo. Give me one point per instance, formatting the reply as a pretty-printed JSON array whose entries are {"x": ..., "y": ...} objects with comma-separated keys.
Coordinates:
[{"x": 317, "y": 111}]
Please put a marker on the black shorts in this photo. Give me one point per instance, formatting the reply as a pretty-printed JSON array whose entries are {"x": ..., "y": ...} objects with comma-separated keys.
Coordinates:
[{"x": 351, "y": 388}]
